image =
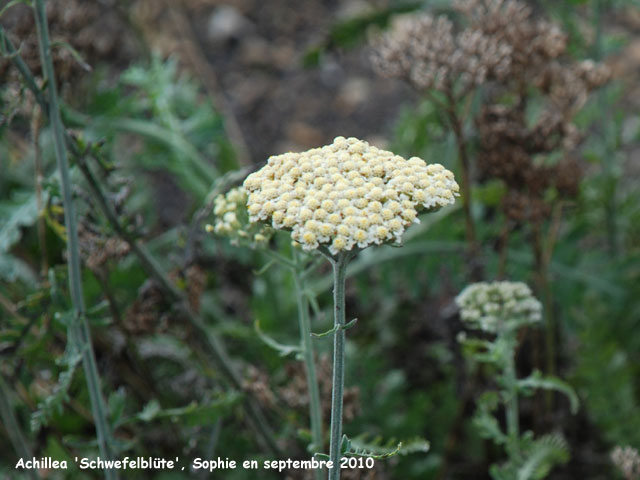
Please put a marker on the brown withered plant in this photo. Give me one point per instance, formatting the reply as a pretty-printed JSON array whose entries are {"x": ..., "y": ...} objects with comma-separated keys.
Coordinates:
[
  {"x": 446, "y": 65},
  {"x": 515, "y": 61}
]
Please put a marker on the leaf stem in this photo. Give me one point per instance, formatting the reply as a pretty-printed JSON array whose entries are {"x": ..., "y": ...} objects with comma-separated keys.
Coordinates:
[{"x": 80, "y": 327}]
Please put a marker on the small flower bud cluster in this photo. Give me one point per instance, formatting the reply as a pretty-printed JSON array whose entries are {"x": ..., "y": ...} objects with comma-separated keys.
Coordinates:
[
  {"x": 627, "y": 459},
  {"x": 347, "y": 194},
  {"x": 426, "y": 52},
  {"x": 232, "y": 220},
  {"x": 498, "y": 306}
]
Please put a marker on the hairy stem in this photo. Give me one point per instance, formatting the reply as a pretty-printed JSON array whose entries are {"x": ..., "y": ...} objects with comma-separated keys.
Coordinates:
[
  {"x": 315, "y": 408},
  {"x": 339, "y": 265},
  {"x": 80, "y": 327}
]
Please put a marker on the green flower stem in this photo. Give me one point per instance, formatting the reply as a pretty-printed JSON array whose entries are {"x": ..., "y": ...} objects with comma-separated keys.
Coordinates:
[
  {"x": 339, "y": 265},
  {"x": 315, "y": 408},
  {"x": 80, "y": 327},
  {"x": 511, "y": 404},
  {"x": 12, "y": 427}
]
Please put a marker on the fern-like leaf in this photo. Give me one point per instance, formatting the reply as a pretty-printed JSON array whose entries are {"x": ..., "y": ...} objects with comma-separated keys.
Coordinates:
[
  {"x": 542, "y": 454},
  {"x": 378, "y": 449},
  {"x": 547, "y": 382},
  {"x": 53, "y": 403}
]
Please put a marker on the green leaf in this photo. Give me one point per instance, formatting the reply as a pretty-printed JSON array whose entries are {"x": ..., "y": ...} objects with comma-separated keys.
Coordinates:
[
  {"x": 488, "y": 427},
  {"x": 538, "y": 380},
  {"x": 264, "y": 269},
  {"x": 379, "y": 450},
  {"x": 193, "y": 414},
  {"x": 312, "y": 57},
  {"x": 13, "y": 269},
  {"x": 542, "y": 455},
  {"x": 345, "y": 445},
  {"x": 53, "y": 403},
  {"x": 490, "y": 193},
  {"x": 150, "y": 411},
  {"x": 327, "y": 333},
  {"x": 20, "y": 211},
  {"x": 284, "y": 350},
  {"x": 351, "y": 31},
  {"x": 74, "y": 53},
  {"x": 350, "y": 324},
  {"x": 116, "y": 405},
  {"x": 13, "y": 3}
]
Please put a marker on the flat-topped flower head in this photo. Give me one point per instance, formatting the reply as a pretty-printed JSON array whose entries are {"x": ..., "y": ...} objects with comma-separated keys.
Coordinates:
[
  {"x": 347, "y": 194},
  {"x": 232, "y": 220},
  {"x": 498, "y": 306}
]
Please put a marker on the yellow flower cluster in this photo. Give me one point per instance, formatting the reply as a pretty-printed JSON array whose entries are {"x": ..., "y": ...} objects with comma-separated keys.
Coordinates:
[
  {"x": 232, "y": 220},
  {"x": 346, "y": 194}
]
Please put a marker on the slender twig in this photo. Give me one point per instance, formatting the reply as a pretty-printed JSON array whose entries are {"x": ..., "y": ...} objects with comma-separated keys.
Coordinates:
[
  {"x": 7, "y": 46},
  {"x": 610, "y": 204},
  {"x": 544, "y": 291},
  {"x": 452, "y": 117},
  {"x": 10, "y": 424},
  {"x": 552, "y": 233},
  {"x": 37, "y": 155},
  {"x": 465, "y": 167},
  {"x": 213, "y": 343},
  {"x": 547, "y": 246},
  {"x": 511, "y": 403},
  {"x": 503, "y": 249},
  {"x": 79, "y": 328}
]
